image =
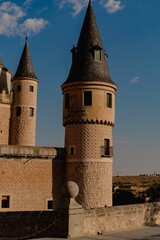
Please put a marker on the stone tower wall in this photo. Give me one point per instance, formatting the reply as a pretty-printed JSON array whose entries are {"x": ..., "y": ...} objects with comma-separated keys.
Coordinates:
[
  {"x": 23, "y": 127},
  {"x": 91, "y": 171},
  {"x": 94, "y": 180},
  {"x": 98, "y": 111},
  {"x": 86, "y": 128},
  {"x": 87, "y": 140}
]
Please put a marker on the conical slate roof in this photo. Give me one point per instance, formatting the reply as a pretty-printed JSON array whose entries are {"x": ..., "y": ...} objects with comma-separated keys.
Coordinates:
[
  {"x": 84, "y": 67},
  {"x": 25, "y": 67}
]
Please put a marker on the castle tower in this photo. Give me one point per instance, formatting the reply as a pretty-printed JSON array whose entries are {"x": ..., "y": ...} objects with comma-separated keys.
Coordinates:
[
  {"x": 88, "y": 118},
  {"x": 24, "y": 105},
  {"x": 5, "y": 102}
]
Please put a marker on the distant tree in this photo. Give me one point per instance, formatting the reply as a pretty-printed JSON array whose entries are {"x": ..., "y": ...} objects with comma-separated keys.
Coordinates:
[
  {"x": 123, "y": 197},
  {"x": 153, "y": 193}
]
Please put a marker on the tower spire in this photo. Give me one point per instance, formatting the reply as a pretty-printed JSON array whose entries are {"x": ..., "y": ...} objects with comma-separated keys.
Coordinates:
[
  {"x": 88, "y": 118},
  {"x": 25, "y": 67},
  {"x": 85, "y": 67}
]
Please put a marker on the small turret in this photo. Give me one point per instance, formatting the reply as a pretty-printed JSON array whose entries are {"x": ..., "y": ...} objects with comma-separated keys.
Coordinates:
[
  {"x": 88, "y": 117},
  {"x": 24, "y": 105},
  {"x": 5, "y": 102}
]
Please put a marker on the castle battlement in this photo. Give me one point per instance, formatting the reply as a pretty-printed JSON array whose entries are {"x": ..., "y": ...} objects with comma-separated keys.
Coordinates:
[{"x": 11, "y": 151}]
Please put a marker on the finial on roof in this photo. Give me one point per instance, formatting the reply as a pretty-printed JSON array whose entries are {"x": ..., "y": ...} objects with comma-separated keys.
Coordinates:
[{"x": 25, "y": 67}]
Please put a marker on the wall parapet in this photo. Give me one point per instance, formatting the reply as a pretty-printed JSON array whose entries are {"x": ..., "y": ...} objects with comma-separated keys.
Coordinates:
[
  {"x": 13, "y": 151},
  {"x": 31, "y": 224},
  {"x": 121, "y": 218}
]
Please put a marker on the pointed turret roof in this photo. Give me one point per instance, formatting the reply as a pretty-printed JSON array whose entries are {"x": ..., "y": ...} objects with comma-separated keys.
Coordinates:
[
  {"x": 25, "y": 67},
  {"x": 84, "y": 67}
]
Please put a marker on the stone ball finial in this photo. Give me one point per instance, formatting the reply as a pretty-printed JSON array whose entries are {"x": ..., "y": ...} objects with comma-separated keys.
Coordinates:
[{"x": 70, "y": 189}]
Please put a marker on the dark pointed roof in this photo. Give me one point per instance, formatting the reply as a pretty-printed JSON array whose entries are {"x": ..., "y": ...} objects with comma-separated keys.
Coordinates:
[
  {"x": 84, "y": 67},
  {"x": 25, "y": 67}
]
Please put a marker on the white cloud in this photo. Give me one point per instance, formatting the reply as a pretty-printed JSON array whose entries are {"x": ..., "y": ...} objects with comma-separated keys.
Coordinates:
[
  {"x": 10, "y": 14},
  {"x": 33, "y": 25},
  {"x": 44, "y": 9},
  {"x": 112, "y": 6},
  {"x": 77, "y": 5},
  {"x": 13, "y": 20},
  {"x": 135, "y": 80},
  {"x": 27, "y": 2}
]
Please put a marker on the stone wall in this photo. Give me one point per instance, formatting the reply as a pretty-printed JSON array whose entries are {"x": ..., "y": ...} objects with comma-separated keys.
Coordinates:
[
  {"x": 121, "y": 218},
  {"x": 29, "y": 225},
  {"x": 26, "y": 176}
]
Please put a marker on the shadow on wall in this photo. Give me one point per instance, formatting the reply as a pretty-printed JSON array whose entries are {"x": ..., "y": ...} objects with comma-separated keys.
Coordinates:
[
  {"x": 28, "y": 225},
  {"x": 151, "y": 214},
  {"x": 58, "y": 177}
]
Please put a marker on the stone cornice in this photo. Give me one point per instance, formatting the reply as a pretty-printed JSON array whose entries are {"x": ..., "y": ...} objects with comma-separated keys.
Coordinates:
[{"x": 87, "y": 121}]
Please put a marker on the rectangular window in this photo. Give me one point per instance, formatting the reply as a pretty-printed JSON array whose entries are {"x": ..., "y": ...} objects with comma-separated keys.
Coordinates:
[
  {"x": 106, "y": 147},
  {"x": 71, "y": 150},
  {"x": 5, "y": 202},
  {"x": 18, "y": 88},
  {"x": 18, "y": 111},
  {"x": 31, "y": 112},
  {"x": 50, "y": 204},
  {"x": 87, "y": 98},
  {"x": 109, "y": 100},
  {"x": 67, "y": 100},
  {"x": 31, "y": 88},
  {"x": 97, "y": 55}
]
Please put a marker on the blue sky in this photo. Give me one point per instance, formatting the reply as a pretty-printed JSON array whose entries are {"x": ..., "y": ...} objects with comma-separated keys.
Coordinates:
[{"x": 130, "y": 32}]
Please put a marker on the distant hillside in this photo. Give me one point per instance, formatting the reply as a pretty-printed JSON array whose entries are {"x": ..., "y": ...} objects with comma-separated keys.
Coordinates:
[
  {"x": 139, "y": 181},
  {"x": 135, "y": 189}
]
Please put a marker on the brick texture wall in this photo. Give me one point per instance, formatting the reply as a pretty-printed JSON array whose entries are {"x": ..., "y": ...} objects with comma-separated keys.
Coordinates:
[
  {"x": 87, "y": 140},
  {"x": 23, "y": 127},
  {"x": 28, "y": 182},
  {"x": 94, "y": 181},
  {"x": 86, "y": 128},
  {"x": 98, "y": 111}
]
